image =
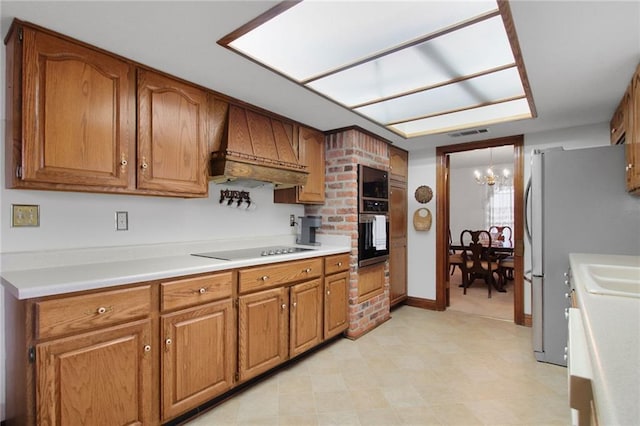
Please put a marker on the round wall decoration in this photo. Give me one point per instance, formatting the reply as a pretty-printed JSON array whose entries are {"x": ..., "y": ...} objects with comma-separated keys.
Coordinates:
[
  {"x": 422, "y": 219},
  {"x": 423, "y": 194}
]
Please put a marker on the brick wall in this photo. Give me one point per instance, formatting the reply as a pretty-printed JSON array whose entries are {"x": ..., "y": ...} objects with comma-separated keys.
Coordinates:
[{"x": 344, "y": 151}]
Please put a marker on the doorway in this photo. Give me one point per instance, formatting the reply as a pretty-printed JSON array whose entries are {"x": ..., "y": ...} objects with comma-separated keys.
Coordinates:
[{"x": 443, "y": 219}]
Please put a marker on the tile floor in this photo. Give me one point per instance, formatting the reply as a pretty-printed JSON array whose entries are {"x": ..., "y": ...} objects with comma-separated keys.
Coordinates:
[{"x": 420, "y": 368}]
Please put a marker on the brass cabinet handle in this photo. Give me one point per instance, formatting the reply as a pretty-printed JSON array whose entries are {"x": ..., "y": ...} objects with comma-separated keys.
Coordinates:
[
  {"x": 202, "y": 290},
  {"x": 284, "y": 306},
  {"x": 101, "y": 310},
  {"x": 147, "y": 348},
  {"x": 295, "y": 304},
  {"x": 339, "y": 264},
  {"x": 167, "y": 343},
  {"x": 264, "y": 277},
  {"x": 307, "y": 270},
  {"x": 328, "y": 292},
  {"x": 144, "y": 164}
]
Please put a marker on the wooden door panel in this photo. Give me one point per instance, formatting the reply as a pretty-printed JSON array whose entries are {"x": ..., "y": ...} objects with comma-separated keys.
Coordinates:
[
  {"x": 311, "y": 145},
  {"x": 336, "y": 304},
  {"x": 263, "y": 331},
  {"x": 172, "y": 124},
  {"x": 397, "y": 270},
  {"x": 198, "y": 356},
  {"x": 397, "y": 210},
  {"x": 305, "y": 329},
  {"x": 98, "y": 378},
  {"x": 77, "y": 121}
]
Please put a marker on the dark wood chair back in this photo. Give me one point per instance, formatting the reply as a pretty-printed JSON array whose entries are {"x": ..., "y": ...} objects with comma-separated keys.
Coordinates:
[{"x": 477, "y": 258}]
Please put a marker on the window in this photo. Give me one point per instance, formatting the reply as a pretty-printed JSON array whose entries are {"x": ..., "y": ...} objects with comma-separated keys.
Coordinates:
[{"x": 499, "y": 206}]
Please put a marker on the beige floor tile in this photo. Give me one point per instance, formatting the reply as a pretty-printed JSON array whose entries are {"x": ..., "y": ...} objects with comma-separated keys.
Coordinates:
[
  {"x": 380, "y": 417},
  {"x": 455, "y": 414},
  {"x": 369, "y": 399},
  {"x": 418, "y": 416},
  {"x": 403, "y": 397},
  {"x": 290, "y": 404},
  {"x": 339, "y": 418},
  {"x": 294, "y": 384},
  {"x": 333, "y": 401},
  {"x": 309, "y": 420}
]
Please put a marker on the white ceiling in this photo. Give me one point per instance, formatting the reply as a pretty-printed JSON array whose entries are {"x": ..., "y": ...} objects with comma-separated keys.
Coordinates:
[{"x": 579, "y": 56}]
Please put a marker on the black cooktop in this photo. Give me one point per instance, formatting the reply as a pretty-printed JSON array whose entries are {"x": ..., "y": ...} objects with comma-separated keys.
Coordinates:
[{"x": 251, "y": 253}]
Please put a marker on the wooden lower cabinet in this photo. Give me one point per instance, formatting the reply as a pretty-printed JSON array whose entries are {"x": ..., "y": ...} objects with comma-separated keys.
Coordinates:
[
  {"x": 336, "y": 300},
  {"x": 262, "y": 331},
  {"x": 150, "y": 352},
  {"x": 305, "y": 324},
  {"x": 198, "y": 356},
  {"x": 97, "y": 378},
  {"x": 397, "y": 271}
]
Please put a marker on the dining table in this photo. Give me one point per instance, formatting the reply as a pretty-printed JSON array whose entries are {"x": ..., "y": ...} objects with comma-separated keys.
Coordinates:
[{"x": 499, "y": 248}]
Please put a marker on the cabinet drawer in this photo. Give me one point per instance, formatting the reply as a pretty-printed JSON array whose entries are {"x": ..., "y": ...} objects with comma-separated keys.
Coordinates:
[
  {"x": 262, "y": 277},
  {"x": 336, "y": 263},
  {"x": 193, "y": 291},
  {"x": 78, "y": 313}
]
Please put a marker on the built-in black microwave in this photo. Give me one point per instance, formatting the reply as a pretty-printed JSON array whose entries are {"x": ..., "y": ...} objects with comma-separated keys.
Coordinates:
[{"x": 373, "y": 190}]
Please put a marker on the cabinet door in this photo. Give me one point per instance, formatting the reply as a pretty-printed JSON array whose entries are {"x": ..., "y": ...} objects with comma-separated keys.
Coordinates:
[
  {"x": 198, "y": 356},
  {"x": 336, "y": 300},
  {"x": 397, "y": 210},
  {"x": 633, "y": 138},
  {"x": 311, "y": 146},
  {"x": 78, "y": 114},
  {"x": 305, "y": 324},
  {"x": 172, "y": 123},
  {"x": 398, "y": 242},
  {"x": 98, "y": 378},
  {"x": 397, "y": 270},
  {"x": 263, "y": 333},
  {"x": 398, "y": 164}
]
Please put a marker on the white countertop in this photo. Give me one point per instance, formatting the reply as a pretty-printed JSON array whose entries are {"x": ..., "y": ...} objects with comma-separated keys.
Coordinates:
[
  {"x": 612, "y": 326},
  {"x": 36, "y": 274}
]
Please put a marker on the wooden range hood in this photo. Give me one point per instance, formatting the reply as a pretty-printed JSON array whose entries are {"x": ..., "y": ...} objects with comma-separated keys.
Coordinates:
[{"x": 257, "y": 147}]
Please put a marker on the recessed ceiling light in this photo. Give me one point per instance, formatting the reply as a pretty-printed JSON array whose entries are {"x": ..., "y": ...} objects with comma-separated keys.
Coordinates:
[{"x": 415, "y": 68}]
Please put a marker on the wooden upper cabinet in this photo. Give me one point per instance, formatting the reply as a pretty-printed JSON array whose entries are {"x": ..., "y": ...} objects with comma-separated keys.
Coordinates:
[
  {"x": 311, "y": 153},
  {"x": 311, "y": 146},
  {"x": 618, "y": 123},
  {"x": 398, "y": 164},
  {"x": 172, "y": 135},
  {"x": 632, "y": 138},
  {"x": 397, "y": 210},
  {"x": 77, "y": 113}
]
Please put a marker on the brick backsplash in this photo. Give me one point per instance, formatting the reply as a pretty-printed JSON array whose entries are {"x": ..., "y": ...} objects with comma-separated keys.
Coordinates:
[{"x": 344, "y": 151}]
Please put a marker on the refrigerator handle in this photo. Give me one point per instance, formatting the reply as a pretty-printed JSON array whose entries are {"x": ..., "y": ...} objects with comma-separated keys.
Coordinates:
[{"x": 527, "y": 205}]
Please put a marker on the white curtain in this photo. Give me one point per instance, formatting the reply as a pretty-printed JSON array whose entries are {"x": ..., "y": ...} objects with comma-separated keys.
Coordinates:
[{"x": 499, "y": 206}]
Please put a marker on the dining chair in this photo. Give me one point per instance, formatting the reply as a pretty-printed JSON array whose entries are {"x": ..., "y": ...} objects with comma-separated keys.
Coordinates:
[
  {"x": 503, "y": 233},
  {"x": 507, "y": 265},
  {"x": 478, "y": 260},
  {"x": 455, "y": 259}
]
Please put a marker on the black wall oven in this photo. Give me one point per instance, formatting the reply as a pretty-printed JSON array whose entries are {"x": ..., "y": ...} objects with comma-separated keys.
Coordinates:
[{"x": 373, "y": 215}]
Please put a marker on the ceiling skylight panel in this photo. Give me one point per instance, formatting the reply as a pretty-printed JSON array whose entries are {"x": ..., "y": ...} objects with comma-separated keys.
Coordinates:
[
  {"x": 468, "y": 51},
  {"x": 506, "y": 111},
  {"x": 464, "y": 94},
  {"x": 314, "y": 37}
]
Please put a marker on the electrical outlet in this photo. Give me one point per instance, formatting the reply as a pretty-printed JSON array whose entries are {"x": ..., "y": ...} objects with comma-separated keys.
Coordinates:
[
  {"x": 292, "y": 220},
  {"x": 25, "y": 215},
  {"x": 122, "y": 221}
]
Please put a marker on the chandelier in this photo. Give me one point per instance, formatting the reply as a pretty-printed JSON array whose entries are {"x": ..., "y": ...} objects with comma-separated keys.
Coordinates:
[{"x": 491, "y": 178}]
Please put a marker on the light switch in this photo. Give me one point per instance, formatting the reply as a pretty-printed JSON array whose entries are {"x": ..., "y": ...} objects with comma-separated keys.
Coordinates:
[
  {"x": 122, "y": 221},
  {"x": 25, "y": 215}
]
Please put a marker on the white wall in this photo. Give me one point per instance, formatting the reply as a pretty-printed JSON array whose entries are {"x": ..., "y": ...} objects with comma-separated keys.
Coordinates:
[
  {"x": 421, "y": 245},
  {"x": 422, "y": 171},
  {"x": 467, "y": 200}
]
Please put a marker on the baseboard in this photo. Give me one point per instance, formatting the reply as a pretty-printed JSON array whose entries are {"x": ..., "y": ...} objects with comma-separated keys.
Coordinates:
[
  {"x": 528, "y": 320},
  {"x": 417, "y": 302}
]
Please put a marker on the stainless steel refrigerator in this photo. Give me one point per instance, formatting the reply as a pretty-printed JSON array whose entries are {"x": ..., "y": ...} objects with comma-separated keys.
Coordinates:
[{"x": 576, "y": 203}]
